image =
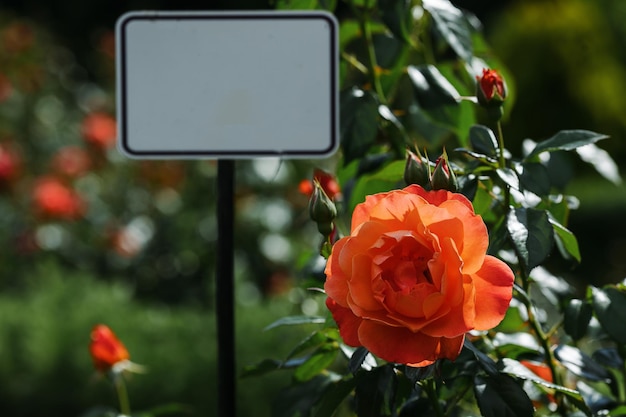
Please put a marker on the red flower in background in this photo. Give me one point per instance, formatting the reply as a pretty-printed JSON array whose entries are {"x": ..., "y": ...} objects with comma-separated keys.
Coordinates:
[
  {"x": 5, "y": 88},
  {"x": 54, "y": 199},
  {"x": 100, "y": 130},
  {"x": 105, "y": 348},
  {"x": 10, "y": 164},
  {"x": 327, "y": 181},
  {"x": 71, "y": 161}
]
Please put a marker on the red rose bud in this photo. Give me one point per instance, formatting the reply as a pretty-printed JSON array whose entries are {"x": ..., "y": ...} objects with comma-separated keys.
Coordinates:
[
  {"x": 106, "y": 349},
  {"x": 490, "y": 89},
  {"x": 443, "y": 177},
  {"x": 416, "y": 170},
  {"x": 322, "y": 210}
]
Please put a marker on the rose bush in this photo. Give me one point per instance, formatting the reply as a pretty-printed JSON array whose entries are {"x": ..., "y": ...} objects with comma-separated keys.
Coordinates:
[{"x": 413, "y": 276}]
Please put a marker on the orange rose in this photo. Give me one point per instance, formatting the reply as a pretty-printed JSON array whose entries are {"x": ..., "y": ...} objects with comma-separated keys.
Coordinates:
[
  {"x": 105, "y": 348},
  {"x": 413, "y": 276}
]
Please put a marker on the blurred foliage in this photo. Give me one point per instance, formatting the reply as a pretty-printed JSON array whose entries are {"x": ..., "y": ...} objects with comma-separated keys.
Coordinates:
[
  {"x": 571, "y": 72},
  {"x": 45, "y": 333}
]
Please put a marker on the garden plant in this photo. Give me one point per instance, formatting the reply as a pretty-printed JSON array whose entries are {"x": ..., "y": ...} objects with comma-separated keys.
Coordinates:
[
  {"x": 440, "y": 300},
  {"x": 431, "y": 256}
]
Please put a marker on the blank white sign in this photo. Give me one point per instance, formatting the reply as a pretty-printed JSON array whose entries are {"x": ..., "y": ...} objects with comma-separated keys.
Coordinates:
[{"x": 227, "y": 84}]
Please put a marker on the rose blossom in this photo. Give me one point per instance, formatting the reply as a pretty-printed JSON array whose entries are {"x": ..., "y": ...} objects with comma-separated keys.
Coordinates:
[{"x": 413, "y": 276}]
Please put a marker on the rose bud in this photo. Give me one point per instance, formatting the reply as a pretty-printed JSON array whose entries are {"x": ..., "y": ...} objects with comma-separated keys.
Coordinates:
[
  {"x": 416, "y": 170},
  {"x": 443, "y": 177},
  {"x": 106, "y": 349},
  {"x": 490, "y": 89},
  {"x": 322, "y": 210}
]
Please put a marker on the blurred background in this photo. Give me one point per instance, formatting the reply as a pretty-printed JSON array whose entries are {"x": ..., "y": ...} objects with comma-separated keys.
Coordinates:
[{"x": 89, "y": 236}]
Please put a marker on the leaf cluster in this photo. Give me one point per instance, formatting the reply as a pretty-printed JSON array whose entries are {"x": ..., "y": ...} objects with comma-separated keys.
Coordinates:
[{"x": 408, "y": 77}]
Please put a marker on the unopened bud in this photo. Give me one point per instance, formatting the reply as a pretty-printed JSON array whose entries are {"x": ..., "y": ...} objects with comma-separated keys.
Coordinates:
[
  {"x": 443, "y": 177},
  {"x": 322, "y": 210},
  {"x": 490, "y": 89},
  {"x": 416, "y": 170}
]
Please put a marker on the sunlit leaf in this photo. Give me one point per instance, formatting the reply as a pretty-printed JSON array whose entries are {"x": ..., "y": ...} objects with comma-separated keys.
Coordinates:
[
  {"x": 295, "y": 320},
  {"x": 500, "y": 395},
  {"x": 321, "y": 359},
  {"x": 565, "y": 240},
  {"x": 386, "y": 179},
  {"x": 358, "y": 122},
  {"x": 431, "y": 88},
  {"x": 576, "y": 318},
  {"x": 580, "y": 363},
  {"x": 483, "y": 140},
  {"x": 531, "y": 233},
  {"x": 509, "y": 177},
  {"x": 566, "y": 140},
  {"x": 609, "y": 305},
  {"x": 452, "y": 25},
  {"x": 601, "y": 161},
  {"x": 518, "y": 370}
]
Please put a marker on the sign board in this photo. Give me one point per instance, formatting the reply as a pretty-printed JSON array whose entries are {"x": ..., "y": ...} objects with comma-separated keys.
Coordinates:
[{"x": 227, "y": 84}]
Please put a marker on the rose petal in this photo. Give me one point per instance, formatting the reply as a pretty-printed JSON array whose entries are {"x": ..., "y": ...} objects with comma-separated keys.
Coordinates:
[
  {"x": 347, "y": 322},
  {"x": 494, "y": 288},
  {"x": 399, "y": 345}
]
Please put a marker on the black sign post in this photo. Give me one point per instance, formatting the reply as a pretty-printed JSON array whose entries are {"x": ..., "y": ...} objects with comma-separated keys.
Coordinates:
[{"x": 226, "y": 86}]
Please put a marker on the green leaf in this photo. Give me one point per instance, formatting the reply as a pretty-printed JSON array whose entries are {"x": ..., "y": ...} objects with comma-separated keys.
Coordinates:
[
  {"x": 488, "y": 364},
  {"x": 333, "y": 396},
  {"x": 314, "y": 340},
  {"x": 576, "y": 318},
  {"x": 531, "y": 233},
  {"x": 566, "y": 242},
  {"x": 452, "y": 25},
  {"x": 515, "y": 344},
  {"x": 518, "y": 370},
  {"x": 500, "y": 395},
  {"x": 483, "y": 140},
  {"x": 581, "y": 364},
  {"x": 394, "y": 129},
  {"x": 358, "y": 123},
  {"x": 295, "y": 320},
  {"x": 431, "y": 88},
  {"x": 566, "y": 140},
  {"x": 299, "y": 399},
  {"x": 509, "y": 177},
  {"x": 321, "y": 359},
  {"x": 534, "y": 178},
  {"x": 357, "y": 358},
  {"x": 388, "y": 178},
  {"x": 396, "y": 14},
  {"x": 609, "y": 305},
  {"x": 601, "y": 160}
]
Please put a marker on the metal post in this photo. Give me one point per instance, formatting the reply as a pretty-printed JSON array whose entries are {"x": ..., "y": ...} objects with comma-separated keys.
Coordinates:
[{"x": 224, "y": 293}]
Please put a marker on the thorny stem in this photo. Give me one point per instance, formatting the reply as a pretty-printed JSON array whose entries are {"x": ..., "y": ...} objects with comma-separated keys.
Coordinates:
[
  {"x": 544, "y": 339},
  {"x": 502, "y": 164},
  {"x": 502, "y": 161}
]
